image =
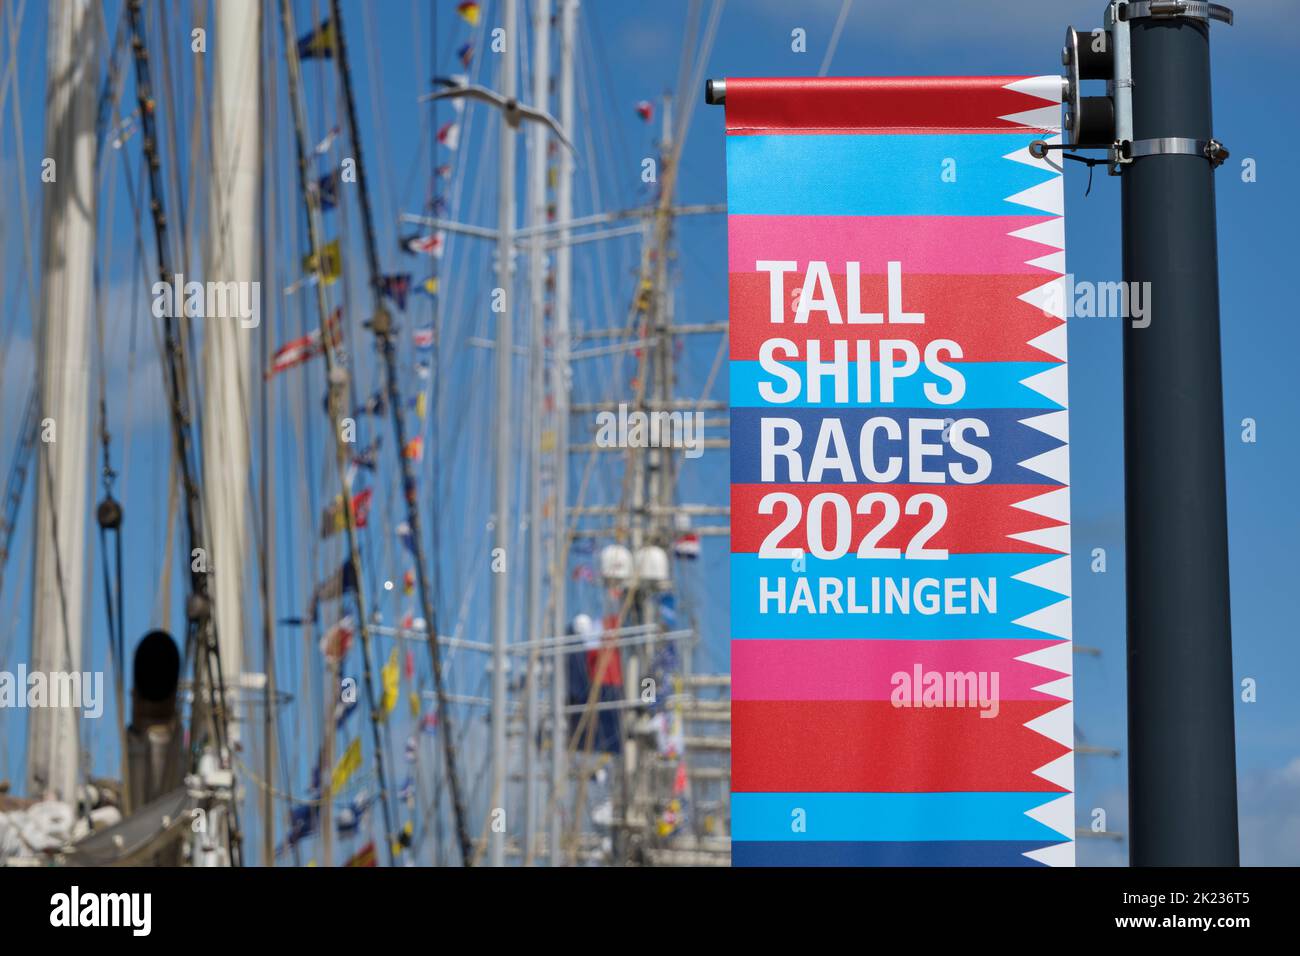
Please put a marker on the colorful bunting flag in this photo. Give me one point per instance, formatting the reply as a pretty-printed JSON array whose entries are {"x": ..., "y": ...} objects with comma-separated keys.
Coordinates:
[
  {"x": 324, "y": 145},
  {"x": 333, "y": 520},
  {"x": 396, "y": 287},
  {"x": 346, "y": 767},
  {"x": 405, "y": 536},
  {"x": 331, "y": 263},
  {"x": 344, "y": 581},
  {"x": 318, "y": 44},
  {"x": 469, "y": 12},
  {"x": 327, "y": 190},
  {"x": 465, "y": 54},
  {"x": 430, "y": 245},
  {"x": 336, "y": 642},
  {"x": 304, "y": 349},
  {"x": 687, "y": 546},
  {"x": 376, "y": 404},
  {"x": 391, "y": 677},
  {"x": 449, "y": 134},
  {"x": 368, "y": 457},
  {"x": 366, "y": 856}
]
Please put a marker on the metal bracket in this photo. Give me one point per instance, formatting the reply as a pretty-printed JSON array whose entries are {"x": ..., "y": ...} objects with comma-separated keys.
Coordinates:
[
  {"x": 1192, "y": 9},
  {"x": 1210, "y": 149}
]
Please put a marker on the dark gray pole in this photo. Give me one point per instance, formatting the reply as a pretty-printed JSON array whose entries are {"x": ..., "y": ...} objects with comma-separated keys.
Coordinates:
[{"x": 1182, "y": 769}]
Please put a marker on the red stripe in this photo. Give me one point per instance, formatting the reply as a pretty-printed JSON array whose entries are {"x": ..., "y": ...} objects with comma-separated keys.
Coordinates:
[
  {"x": 875, "y": 747},
  {"x": 892, "y": 104},
  {"x": 980, "y": 312},
  {"x": 980, "y": 517}
]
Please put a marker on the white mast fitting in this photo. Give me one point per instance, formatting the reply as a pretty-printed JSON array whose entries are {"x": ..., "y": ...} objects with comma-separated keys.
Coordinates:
[{"x": 63, "y": 362}]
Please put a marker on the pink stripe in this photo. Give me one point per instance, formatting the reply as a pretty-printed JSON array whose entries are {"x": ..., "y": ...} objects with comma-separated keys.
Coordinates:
[
  {"x": 936, "y": 245},
  {"x": 861, "y": 670}
]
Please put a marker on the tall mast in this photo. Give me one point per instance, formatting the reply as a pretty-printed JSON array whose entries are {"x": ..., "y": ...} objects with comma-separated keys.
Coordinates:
[
  {"x": 563, "y": 306},
  {"x": 504, "y": 457},
  {"x": 537, "y": 140},
  {"x": 63, "y": 356},
  {"x": 231, "y": 251}
]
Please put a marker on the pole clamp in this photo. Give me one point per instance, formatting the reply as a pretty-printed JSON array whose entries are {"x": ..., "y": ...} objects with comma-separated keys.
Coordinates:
[
  {"x": 1192, "y": 9},
  {"x": 1210, "y": 149}
]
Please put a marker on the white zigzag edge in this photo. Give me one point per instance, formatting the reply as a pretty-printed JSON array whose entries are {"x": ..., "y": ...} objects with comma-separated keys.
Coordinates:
[{"x": 1053, "y": 574}]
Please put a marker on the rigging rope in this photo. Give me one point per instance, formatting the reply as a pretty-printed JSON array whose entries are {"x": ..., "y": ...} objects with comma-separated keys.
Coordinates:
[
  {"x": 337, "y": 381},
  {"x": 201, "y": 627},
  {"x": 381, "y": 328}
]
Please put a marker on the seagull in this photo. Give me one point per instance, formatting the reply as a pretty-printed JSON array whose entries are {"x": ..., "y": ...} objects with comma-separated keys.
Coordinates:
[{"x": 513, "y": 110}]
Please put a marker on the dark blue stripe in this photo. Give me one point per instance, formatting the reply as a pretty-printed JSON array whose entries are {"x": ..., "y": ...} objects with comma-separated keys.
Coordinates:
[
  {"x": 1009, "y": 442},
  {"x": 947, "y": 853}
]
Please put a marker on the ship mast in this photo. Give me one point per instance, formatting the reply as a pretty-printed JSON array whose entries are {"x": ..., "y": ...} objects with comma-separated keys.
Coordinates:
[
  {"x": 63, "y": 350},
  {"x": 568, "y": 10},
  {"x": 231, "y": 253},
  {"x": 537, "y": 140},
  {"x": 504, "y": 434}
]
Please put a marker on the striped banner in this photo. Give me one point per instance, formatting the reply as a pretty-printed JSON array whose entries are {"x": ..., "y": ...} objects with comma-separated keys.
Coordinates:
[{"x": 900, "y": 570}]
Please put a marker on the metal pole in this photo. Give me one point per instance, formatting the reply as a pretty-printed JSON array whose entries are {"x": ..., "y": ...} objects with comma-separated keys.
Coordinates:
[
  {"x": 1182, "y": 771},
  {"x": 504, "y": 458},
  {"x": 563, "y": 305},
  {"x": 536, "y": 288}
]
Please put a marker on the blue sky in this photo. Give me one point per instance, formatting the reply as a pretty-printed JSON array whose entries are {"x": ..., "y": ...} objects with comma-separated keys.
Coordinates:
[{"x": 631, "y": 52}]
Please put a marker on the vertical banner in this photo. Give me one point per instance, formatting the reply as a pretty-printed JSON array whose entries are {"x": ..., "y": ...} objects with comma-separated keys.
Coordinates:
[{"x": 900, "y": 571}]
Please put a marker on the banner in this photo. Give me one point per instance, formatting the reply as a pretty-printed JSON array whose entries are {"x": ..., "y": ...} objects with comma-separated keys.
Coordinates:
[{"x": 900, "y": 570}]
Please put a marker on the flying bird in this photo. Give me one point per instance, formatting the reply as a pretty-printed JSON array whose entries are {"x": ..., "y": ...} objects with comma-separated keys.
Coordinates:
[{"x": 514, "y": 111}]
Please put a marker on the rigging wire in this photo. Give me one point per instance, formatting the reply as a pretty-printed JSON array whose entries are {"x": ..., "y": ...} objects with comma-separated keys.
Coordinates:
[
  {"x": 202, "y": 628},
  {"x": 336, "y": 382},
  {"x": 381, "y": 328}
]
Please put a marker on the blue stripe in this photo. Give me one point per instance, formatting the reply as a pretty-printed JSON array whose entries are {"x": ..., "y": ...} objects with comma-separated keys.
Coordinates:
[
  {"x": 889, "y": 817},
  {"x": 1009, "y": 443},
  {"x": 848, "y": 175},
  {"x": 1014, "y": 599},
  {"x": 897, "y": 853},
  {"x": 988, "y": 385}
]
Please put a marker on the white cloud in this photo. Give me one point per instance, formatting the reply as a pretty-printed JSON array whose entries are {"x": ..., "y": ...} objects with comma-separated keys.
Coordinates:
[{"x": 1270, "y": 816}]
